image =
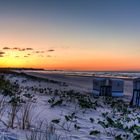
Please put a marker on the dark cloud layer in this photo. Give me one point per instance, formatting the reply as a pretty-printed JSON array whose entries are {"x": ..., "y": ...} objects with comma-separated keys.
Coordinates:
[
  {"x": 30, "y": 52},
  {"x": 18, "y": 49}
]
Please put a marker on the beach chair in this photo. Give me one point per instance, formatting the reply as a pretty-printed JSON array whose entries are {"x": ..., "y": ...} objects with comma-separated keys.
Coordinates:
[
  {"x": 101, "y": 87},
  {"x": 108, "y": 87}
]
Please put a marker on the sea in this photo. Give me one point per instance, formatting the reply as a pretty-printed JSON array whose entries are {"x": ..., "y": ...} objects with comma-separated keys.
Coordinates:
[{"x": 117, "y": 74}]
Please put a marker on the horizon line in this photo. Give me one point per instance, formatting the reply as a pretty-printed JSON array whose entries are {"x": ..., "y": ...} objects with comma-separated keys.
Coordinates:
[{"x": 32, "y": 68}]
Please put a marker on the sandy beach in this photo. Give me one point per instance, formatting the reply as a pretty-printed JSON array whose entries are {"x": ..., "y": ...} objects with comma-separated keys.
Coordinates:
[
  {"x": 80, "y": 83},
  {"x": 63, "y": 107}
]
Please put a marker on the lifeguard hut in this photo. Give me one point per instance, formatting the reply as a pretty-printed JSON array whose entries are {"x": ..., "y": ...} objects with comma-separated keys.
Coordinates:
[
  {"x": 136, "y": 92},
  {"x": 108, "y": 87}
]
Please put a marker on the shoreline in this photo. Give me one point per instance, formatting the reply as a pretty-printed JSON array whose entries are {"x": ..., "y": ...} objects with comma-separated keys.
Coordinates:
[{"x": 81, "y": 83}]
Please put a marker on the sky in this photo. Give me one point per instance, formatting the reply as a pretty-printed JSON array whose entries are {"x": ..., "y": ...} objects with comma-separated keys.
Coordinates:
[{"x": 70, "y": 34}]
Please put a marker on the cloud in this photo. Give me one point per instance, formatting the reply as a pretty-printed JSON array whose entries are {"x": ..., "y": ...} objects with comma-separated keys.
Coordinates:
[
  {"x": 1, "y": 53},
  {"x": 15, "y": 48},
  {"x": 39, "y": 51},
  {"x": 29, "y": 49},
  {"x": 51, "y": 50},
  {"x": 6, "y": 48},
  {"x": 22, "y": 49}
]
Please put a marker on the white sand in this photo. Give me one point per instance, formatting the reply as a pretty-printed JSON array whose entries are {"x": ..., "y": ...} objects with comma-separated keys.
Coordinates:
[{"x": 42, "y": 111}]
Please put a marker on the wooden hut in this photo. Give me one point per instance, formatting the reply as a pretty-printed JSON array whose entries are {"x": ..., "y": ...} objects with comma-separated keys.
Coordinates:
[
  {"x": 136, "y": 92},
  {"x": 108, "y": 87}
]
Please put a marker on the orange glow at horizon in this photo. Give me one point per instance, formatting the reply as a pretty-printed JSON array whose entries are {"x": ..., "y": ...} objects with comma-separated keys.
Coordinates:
[
  {"x": 67, "y": 53},
  {"x": 67, "y": 63}
]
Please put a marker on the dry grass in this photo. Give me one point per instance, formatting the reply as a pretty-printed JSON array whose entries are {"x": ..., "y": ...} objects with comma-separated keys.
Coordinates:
[{"x": 43, "y": 132}]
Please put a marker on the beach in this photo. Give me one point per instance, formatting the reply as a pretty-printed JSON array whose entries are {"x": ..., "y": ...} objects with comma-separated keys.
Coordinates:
[
  {"x": 63, "y": 107},
  {"x": 79, "y": 82}
]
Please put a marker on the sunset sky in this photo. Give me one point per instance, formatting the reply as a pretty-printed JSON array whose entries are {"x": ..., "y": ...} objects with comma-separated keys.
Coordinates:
[{"x": 70, "y": 34}]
